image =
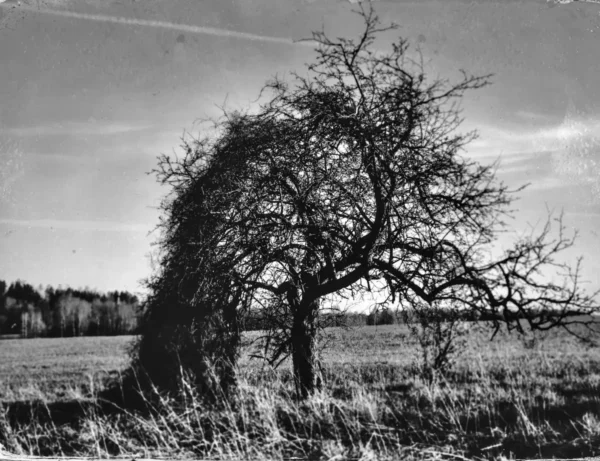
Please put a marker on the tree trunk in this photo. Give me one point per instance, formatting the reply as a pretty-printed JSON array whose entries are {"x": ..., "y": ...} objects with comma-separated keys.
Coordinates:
[{"x": 304, "y": 349}]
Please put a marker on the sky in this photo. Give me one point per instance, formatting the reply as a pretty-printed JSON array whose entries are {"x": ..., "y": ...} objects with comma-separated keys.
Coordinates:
[{"x": 92, "y": 91}]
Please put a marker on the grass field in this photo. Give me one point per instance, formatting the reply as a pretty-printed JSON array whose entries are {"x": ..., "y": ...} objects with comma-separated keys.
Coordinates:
[
  {"x": 57, "y": 368},
  {"x": 512, "y": 397}
]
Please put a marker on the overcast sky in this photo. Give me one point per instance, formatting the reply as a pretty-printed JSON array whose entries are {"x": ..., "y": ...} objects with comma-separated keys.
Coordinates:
[{"x": 92, "y": 91}]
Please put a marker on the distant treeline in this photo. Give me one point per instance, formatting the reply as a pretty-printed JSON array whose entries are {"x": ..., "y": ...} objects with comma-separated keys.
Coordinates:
[
  {"x": 255, "y": 320},
  {"x": 59, "y": 312}
]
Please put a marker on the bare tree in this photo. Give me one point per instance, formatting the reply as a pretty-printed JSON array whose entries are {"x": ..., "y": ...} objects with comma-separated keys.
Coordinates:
[{"x": 348, "y": 181}]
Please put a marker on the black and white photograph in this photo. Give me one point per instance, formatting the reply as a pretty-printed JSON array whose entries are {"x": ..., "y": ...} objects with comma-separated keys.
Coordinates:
[{"x": 320, "y": 230}]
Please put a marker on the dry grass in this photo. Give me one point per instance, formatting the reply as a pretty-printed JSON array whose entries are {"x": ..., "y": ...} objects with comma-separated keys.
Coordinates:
[
  {"x": 57, "y": 368},
  {"x": 508, "y": 398}
]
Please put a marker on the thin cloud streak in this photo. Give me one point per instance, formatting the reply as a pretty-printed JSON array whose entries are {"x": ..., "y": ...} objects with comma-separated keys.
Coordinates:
[
  {"x": 102, "y": 226},
  {"x": 166, "y": 25},
  {"x": 584, "y": 214},
  {"x": 534, "y": 116},
  {"x": 75, "y": 129},
  {"x": 506, "y": 158},
  {"x": 537, "y": 140}
]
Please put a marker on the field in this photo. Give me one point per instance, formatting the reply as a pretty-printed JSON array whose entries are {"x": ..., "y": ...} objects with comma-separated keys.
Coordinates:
[
  {"x": 59, "y": 368},
  {"x": 514, "y": 397}
]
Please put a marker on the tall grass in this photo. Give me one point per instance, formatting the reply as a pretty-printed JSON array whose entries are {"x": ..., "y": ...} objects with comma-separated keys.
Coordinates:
[
  {"x": 261, "y": 422},
  {"x": 509, "y": 398}
]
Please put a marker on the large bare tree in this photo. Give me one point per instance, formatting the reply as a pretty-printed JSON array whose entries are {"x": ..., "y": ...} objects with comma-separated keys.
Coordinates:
[{"x": 346, "y": 181}]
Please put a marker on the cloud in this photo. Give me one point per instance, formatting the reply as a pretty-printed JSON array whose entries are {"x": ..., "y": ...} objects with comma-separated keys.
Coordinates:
[
  {"x": 554, "y": 155},
  {"x": 546, "y": 183},
  {"x": 11, "y": 168},
  {"x": 571, "y": 148},
  {"x": 565, "y": 2},
  {"x": 534, "y": 116},
  {"x": 584, "y": 214},
  {"x": 577, "y": 150},
  {"x": 507, "y": 159},
  {"x": 547, "y": 139},
  {"x": 101, "y": 226},
  {"x": 89, "y": 128},
  {"x": 191, "y": 29}
]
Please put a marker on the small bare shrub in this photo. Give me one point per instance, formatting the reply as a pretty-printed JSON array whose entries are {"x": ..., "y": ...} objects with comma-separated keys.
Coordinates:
[{"x": 441, "y": 335}]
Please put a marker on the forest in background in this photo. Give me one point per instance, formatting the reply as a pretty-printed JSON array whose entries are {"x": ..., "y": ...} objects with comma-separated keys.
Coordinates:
[
  {"x": 60, "y": 312},
  {"x": 64, "y": 312}
]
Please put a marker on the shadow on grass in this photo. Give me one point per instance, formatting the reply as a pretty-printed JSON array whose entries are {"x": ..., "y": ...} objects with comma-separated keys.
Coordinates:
[
  {"x": 400, "y": 409},
  {"x": 116, "y": 397}
]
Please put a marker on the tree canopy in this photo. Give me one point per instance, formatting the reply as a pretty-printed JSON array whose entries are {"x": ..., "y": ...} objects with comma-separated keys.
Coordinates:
[{"x": 346, "y": 181}]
